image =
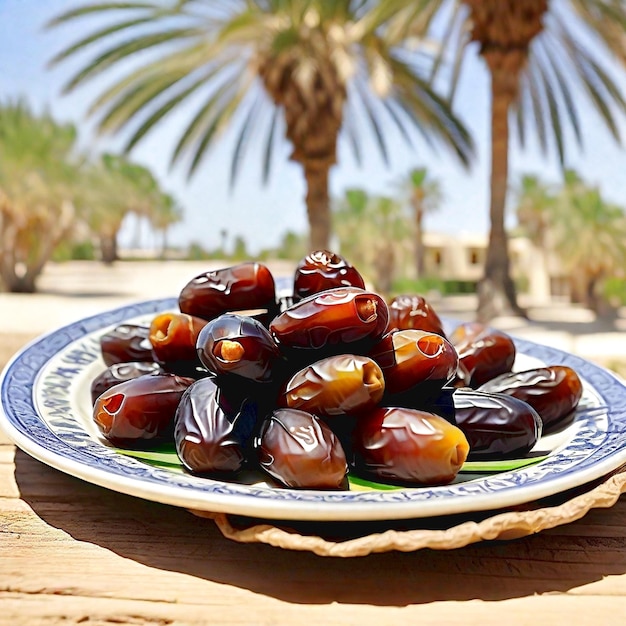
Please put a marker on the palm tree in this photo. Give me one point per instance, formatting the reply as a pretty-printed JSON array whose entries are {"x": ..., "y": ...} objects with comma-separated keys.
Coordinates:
[
  {"x": 164, "y": 213},
  {"x": 535, "y": 214},
  {"x": 542, "y": 58},
  {"x": 589, "y": 238},
  {"x": 113, "y": 188},
  {"x": 38, "y": 171},
  {"x": 424, "y": 197},
  {"x": 374, "y": 235},
  {"x": 322, "y": 67}
]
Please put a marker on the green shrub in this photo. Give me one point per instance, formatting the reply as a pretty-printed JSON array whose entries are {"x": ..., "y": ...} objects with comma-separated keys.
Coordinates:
[
  {"x": 74, "y": 251},
  {"x": 615, "y": 291}
]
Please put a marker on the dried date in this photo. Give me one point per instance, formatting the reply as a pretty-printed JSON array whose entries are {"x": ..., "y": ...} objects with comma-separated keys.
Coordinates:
[
  {"x": 173, "y": 336},
  {"x": 126, "y": 342},
  {"x": 497, "y": 426},
  {"x": 121, "y": 372},
  {"x": 240, "y": 345},
  {"x": 321, "y": 270},
  {"x": 242, "y": 287},
  {"x": 553, "y": 391},
  {"x": 139, "y": 409},
  {"x": 338, "y": 385},
  {"x": 484, "y": 353},
  {"x": 299, "y": 450},
  {"x": 414, "y": 312},
  {"x": 334, "y": 319},
  {"x": 413, "y": 357},
  {"x": 408, "y": 445},
  {"x": 212, "y": 436}
]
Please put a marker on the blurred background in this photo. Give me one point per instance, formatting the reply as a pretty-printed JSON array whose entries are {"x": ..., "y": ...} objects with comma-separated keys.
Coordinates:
[{"x": 469, "y": 151}]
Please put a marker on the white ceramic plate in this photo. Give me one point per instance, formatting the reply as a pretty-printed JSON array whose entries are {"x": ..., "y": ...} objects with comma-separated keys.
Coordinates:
[{"x": 46, "y": 410}]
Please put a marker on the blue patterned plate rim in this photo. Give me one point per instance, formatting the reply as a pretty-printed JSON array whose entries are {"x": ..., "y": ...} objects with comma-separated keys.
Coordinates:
[{"x": 44, "y": 400}]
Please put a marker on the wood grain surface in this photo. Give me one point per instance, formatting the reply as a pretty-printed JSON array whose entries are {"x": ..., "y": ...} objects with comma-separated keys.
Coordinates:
[{"x": 75, "y": 553}]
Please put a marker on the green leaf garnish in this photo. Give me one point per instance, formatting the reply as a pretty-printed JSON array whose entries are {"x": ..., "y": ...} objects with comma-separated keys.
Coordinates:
[
  {"x": 163, "y": 456},
  {"x": 361, "y": 484},
  {"x": 489, "y": 467}
]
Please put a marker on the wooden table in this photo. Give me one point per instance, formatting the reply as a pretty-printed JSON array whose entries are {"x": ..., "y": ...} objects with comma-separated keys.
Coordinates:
[{"x": 74, "y": 553}]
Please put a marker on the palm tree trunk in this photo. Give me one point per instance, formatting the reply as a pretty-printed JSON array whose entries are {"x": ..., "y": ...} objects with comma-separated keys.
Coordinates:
[
  {"x": 496, "y": 290},
  {"x": 384, "y": 263},
  {"x": 419, "y": 243},
  {"x": 318, "y": 204},
  {"x": 108, "y": 248}
]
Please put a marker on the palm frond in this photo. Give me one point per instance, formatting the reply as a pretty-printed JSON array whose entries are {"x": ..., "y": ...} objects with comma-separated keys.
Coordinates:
[
  {"x": 97, "y": 8},
  {"x": 270, "y": 140},
  {"x": 121, "y": 51},
  {"x": 97, "y": 36},
  {"x": 164, "y": 109},
  {"x": 350, "y": 130},
  {"x": 373, "y": 119},
  {"x": 250, "y": 120},
  {"x": 431, "y": 111}
]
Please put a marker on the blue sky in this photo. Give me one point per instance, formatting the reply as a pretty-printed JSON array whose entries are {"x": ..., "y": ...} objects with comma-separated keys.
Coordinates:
[{"x": 263, "y": 214}]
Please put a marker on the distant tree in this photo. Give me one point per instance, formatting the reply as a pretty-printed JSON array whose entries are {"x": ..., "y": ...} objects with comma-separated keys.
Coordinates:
[
  {"x": 535, "y": 213},
  {"x": 590, "y": 240},
  {"x": 39, "y": 168},
  {"x": 424, "y": 197},
  {"x": 240, "y": 249},
  {"x": 375, "y": 235},
  {"x": 292, "y": 246},
  {"x": 163, "y": 214},
  {"x": 113, "y": 188},
  {"x": 586, "y": 233},
  {"x": 302, "y": 69}
]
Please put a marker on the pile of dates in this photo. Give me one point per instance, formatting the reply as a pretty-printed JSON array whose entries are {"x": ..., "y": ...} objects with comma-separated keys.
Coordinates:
[{"x": 331, "y": 380}]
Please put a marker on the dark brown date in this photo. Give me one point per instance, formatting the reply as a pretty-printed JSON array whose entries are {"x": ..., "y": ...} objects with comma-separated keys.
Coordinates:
[
  {"x": 412, "y": 357},
  {"x": 210, "y": 436},
  {"x": 121, "y": 372},
  {"x": 484, "y": 353},
  {"x": 126, "y": 342},
  {"x": 173, "y": 336},
  {"x": 236, "y": 344},
  {"x": 413, "y": 312},
  {"x": 335, "y": 318},
  {"x": 243, "y": 287},
  {"x": 553, "y": 391},
  {"x": 338, "y": 385},
  {"x": 497, "y": 426},
  {"x": 321, "y": 270},
  {"x": 139, "y": 409},
  {"x": 408, "y": 445},
  {"x": 299, "y": 450}
]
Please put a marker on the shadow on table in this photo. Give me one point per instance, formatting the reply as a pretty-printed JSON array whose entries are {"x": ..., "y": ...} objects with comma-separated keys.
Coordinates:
[{"x": 173, "y": 539}]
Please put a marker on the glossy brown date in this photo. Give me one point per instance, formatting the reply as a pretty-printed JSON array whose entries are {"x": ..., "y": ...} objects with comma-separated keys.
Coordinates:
[
  {"x": 497, "y": 426},
  {"x": 139, "y": 409},
  {"x": 408, "y": 445},
  {"x": 237, "y": 344},
  {"x": 414, "y": 312},
  {"x": 321, "y": 270},
  {"x": 300, "y": 450},
  {"x": 121, "y": 372},
  {"x": 412, "y": 357},
  {"x": 338, "y": 385},
  {"x": 553, "y": 391},
  {"x": 241, "y": 287},
  {"x": 210, "y": 436},
  {"x": 126, "y": 342},
  {"x": 484, "y": 353},
  {"x": 330, "y": 319},
  {"x": 173, "y": 336}
]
